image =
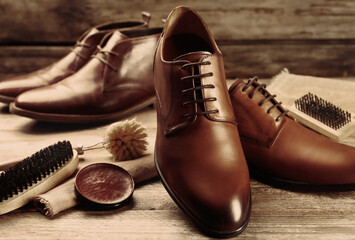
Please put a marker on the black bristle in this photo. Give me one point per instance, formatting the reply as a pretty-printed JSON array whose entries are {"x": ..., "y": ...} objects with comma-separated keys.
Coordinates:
[
  {"x": 33, "y": 169},
  {"x": 323, "y": 111}
]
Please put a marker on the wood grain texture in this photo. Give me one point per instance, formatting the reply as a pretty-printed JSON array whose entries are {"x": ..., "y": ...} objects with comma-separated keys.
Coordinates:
[
  {"x": 276, "y": 213},
  {"x": 313, "y": 37},
  {"x": 64, "y": 20},
  {"x": 242, "y": 59},
  {"x": 17, "y": 60},
  {"x": 266, "y": 59}
]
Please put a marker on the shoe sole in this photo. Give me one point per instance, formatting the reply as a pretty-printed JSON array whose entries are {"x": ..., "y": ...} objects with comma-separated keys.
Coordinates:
[
  {"x": 202, "y": 226},
  {"x": 6, "y": 99},
  {"x": 73, "y": 118},
  {"x": 296, "y": 186}
]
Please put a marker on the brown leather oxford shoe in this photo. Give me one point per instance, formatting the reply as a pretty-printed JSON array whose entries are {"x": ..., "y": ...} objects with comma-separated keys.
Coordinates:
[
  {"x": 117, "y": 81},
  {"x": 68, "y": 65},
  {"x": 281, "y": 149},
  {"x": 198, "y": 153}
]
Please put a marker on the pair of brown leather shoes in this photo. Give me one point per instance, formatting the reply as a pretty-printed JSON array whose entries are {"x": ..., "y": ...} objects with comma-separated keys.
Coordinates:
[
  {"x": 106, "y": 76},
  {"x": 200, "y": 156}
]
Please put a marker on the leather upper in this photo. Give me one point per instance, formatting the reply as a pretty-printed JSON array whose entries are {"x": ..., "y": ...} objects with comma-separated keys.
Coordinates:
[
  {"x": 117, "y": 77},
  {"x": 284, "y": 149},
  {"x": 198, "y": 152},
  {"x": 69, "y": 64}
]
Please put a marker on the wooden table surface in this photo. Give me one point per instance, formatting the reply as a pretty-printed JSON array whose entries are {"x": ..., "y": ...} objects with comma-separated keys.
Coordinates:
[{"x": 151, "y": 214}]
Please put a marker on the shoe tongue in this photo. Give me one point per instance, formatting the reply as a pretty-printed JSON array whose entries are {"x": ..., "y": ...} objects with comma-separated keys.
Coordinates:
[
  {"x": 92, "y": 31},
  {"x": 235, "y": 84},
  {"x": 239, "y": 81},
  {"x": 113, "y": 40},
  {"x": 193, "y": 56},
  {"x": 89, "y": 33}
]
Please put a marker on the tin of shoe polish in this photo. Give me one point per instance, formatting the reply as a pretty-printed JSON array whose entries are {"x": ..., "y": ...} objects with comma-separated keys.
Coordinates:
[{"x": 102, "y": 186}]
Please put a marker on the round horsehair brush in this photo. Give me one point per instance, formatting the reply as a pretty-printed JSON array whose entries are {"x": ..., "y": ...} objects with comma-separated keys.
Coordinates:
[{"x": 35, "y": 175}]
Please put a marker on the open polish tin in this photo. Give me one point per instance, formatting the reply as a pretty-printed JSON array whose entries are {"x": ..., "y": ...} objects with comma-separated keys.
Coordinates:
[{"x": 103, "y": 186}]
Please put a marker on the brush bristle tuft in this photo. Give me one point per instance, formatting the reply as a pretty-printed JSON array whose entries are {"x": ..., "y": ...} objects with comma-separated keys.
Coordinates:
[
  {"x": 33, "y": 169},
  {"x": 323, "y": 111}
]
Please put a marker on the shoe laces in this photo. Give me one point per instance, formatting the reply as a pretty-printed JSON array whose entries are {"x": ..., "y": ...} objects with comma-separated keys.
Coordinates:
[
  {"x": 197, "y": 87},
  {"x": 268, "y": 97},
  {"x": 104, "y": 61},
  {"x": 77, "y": 51}
]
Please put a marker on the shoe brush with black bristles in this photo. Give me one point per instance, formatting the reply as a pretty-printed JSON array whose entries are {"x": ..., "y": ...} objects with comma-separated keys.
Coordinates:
[
  {"x": 323, "y": 117},
  {"x": 36, "y": 174}
]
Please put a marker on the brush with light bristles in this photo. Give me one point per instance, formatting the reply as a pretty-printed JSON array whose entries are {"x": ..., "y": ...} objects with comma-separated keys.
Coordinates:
[
  {"x": 35, "y": 175},
  {"x": 323, "y": 117}
]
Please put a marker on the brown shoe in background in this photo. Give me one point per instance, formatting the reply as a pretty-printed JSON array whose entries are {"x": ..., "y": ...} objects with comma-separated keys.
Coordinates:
[
  {"x": 280, "y": 149},
  {"x": 68, "y": 65},
  {"x": 116, "y": 82},
  {"x": 198, "y": 153}
]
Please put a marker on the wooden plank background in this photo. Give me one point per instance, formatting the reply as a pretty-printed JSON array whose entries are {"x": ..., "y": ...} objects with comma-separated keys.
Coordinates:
[{"x": 313, "y": 37}]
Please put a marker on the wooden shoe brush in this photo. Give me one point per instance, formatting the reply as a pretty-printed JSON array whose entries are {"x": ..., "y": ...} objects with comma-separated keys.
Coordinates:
[
  {"x": 35, "y": 175},
  {"x": 323, "y": 117}
]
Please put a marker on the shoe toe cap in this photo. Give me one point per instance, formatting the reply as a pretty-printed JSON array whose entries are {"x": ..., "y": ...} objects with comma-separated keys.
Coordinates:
[
  {"x": 10, "y": 89},
  {"x": 220, "y": 205},
  {"x": 45, "y": 99},
  {"x": 227, "y": 219}
]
